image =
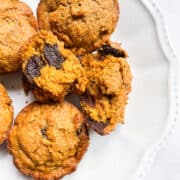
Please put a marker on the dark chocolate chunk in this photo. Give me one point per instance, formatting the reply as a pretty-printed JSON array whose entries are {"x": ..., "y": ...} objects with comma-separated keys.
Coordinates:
[
  {"x": 88, "y": 99},
  {"x": 52, "y": 55},
  {"x": 33, "y": 68},
  {"x": 44, "y": 132},
  {"x": 97, "y": 126},
  {"x": 109, "y": 50}
]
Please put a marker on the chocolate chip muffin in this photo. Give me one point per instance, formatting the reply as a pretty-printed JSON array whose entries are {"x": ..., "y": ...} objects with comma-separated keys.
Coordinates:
[
  {"x": 48, "y": 140},
  {"x": 6, "y": 113},
  {"x": 82, "y": 25},
  {"x": 17, "y": 25},
  {"x": 107, "y": 92},
  {"x": 52, "y": 70}
]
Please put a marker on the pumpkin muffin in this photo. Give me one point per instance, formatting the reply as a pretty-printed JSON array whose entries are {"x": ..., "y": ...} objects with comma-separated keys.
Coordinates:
[
  {"x": 82, "y": 25},
  {"x": 17, "y": 25},
  {"x": 107, "y": 92},
  {"x": 52, "y": 70},
  {"x": 48, "y": 140},
  {"x": 6, "y": 113}
]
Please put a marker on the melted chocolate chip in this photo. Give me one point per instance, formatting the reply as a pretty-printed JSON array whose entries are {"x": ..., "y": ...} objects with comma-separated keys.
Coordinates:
[
  {"x": 97, "y": 126},
  {"x": 33, "y": 68},
  {"x": 88, "y": 99},
  {"x": 109, "y": 50},
  {"x": 52, "y": 55},
  {"x": 44, "y": 132}
]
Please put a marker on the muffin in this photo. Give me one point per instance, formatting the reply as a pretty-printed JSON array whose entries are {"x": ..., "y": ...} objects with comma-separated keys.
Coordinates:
[
  {"x": 51, "y": 70},
  {"x": 48, "y": 140},
  {"x": 107, "y": 91},
  {"x": 82, "y": 25},
  {"x": 17, "y": 25}
]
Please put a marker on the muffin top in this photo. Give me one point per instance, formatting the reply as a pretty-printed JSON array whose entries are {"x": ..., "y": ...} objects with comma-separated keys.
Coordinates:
[
  {"x": 82, "y": 25},
  {"x": 48, "y": 140}
]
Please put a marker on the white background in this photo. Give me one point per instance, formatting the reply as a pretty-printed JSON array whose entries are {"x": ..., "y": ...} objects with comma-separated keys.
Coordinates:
[{"x": 167, "y": 164}]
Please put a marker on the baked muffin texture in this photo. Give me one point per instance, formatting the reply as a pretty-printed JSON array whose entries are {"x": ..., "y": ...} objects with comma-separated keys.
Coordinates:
[
  {"x": 6, "y": 113},
  {"x": 52, "y": 70},
  {"x": 17, "y": 25},
  {"x": 48, "y": 140},
  {"x": 82, "y": 25},
  {"x": 107, "y": 92}
]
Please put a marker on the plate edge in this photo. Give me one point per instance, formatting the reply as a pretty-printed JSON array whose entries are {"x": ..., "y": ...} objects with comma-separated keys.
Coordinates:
[{"x": 173, "y": 86}]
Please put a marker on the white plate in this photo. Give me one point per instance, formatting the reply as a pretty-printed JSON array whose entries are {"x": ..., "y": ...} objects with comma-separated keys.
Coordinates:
[{"x": 128, "y": 152}]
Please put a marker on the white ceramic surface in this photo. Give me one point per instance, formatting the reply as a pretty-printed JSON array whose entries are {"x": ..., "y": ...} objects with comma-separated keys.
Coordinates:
[
  {"x": 167, "y": 163},
  {"x": 121, "y": 154}
]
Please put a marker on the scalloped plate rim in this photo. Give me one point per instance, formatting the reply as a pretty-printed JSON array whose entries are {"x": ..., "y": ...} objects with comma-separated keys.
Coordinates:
[{"x": 173, "y": 111}]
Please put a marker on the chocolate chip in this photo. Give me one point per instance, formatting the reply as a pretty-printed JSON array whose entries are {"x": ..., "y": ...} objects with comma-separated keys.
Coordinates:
[
  {"x": 109, "y": 50},
  {"x": 33, "y": 68},
  {"x": 79, "y": 130},
  {"x": 97, "y": 126},
  {"x": 109, "y": 96},
  {"x": 88, "y": 99},
  {"x": 52, "y": 55},
  {"x": 43, "y": 132}
]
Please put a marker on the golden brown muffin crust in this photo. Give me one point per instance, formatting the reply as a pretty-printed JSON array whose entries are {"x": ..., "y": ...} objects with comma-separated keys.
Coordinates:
[
  {"x": 17, "y": 24},
  {"x": 48, "y": 140},
  {"x": 82, "y": 25},
  {"x": 6, "y": 113}
]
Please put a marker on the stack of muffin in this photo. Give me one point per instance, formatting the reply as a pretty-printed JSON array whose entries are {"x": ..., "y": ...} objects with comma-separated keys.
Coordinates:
[{"x": 67, "y": 51}]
